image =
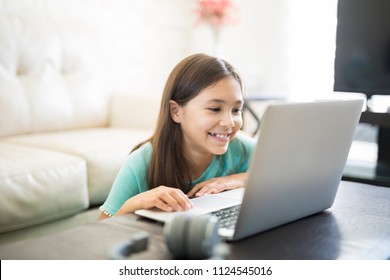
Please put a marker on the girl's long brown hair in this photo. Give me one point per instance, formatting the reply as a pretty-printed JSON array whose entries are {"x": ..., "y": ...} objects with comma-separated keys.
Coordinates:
[{"x": 191, "y": 76}]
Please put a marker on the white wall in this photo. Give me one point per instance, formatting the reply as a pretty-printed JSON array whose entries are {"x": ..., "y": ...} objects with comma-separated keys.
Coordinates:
[{"x": 281, "y": 47}]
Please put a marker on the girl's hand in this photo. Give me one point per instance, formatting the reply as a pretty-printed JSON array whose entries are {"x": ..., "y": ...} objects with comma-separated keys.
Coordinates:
[
  {"x": 164, "y": 198},
  {"x": 220, "y": 184}
]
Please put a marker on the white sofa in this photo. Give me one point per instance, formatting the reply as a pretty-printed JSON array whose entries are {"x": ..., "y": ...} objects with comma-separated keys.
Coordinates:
[{"x": 63, "y": 133}]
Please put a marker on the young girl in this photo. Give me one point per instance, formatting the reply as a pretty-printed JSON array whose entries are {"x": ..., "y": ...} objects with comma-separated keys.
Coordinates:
[{"x": 196, "y": 148}]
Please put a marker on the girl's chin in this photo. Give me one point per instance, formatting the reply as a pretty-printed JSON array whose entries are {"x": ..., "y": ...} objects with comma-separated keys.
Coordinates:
[{"x": 220, "y": 151}]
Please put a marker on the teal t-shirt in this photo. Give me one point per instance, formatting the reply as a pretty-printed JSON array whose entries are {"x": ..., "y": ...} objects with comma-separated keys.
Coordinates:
[{"x": 132, "y": 177}]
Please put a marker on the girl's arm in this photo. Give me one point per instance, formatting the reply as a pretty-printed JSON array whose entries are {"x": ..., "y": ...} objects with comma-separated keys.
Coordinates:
[
  {"x": 164, "y": 198},
  {"x": 172, "y": 199},
  {"x": 216, "y": 185}
]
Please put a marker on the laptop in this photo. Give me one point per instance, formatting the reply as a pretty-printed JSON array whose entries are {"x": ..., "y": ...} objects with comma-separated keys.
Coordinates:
[{"x": 294, "y": 172}]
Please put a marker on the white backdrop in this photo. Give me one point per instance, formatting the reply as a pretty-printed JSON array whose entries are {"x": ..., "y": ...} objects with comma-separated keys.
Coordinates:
[{"x": 281, "y": 47}]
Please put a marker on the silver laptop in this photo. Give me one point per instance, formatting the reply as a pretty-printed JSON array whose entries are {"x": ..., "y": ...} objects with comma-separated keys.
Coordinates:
[{"x": 295, "y": 170}]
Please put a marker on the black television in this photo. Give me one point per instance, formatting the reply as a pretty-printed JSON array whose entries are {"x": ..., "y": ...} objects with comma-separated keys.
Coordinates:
[{"x": 362, "y": 62}]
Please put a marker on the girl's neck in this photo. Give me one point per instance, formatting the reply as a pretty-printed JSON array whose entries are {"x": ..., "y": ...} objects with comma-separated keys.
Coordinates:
[{"x": 198, "y": 163}]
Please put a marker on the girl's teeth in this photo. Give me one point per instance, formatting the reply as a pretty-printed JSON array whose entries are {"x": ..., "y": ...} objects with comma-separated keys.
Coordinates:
[{"x": 222, "y": 136}]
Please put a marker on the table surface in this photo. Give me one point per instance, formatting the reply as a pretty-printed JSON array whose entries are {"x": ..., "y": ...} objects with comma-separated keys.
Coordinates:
[
  {"x": 357, "y": 226},
  {"x": 381, "y": 119}
]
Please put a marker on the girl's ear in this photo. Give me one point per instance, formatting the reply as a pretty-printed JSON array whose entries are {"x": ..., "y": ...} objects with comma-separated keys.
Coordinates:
[{"x": 175, "y": 111}]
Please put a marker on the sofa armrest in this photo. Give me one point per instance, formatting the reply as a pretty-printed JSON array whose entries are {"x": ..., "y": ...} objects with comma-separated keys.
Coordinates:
[{"x": 133, "y": 111}]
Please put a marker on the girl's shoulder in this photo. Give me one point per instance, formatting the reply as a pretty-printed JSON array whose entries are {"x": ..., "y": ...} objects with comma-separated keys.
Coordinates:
[
  {"x": 144, "y": 149},
  {"x": 142, "y": 154}
]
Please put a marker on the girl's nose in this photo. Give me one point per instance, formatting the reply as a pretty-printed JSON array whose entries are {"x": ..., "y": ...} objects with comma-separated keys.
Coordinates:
[{"x": 227, "y": 121}]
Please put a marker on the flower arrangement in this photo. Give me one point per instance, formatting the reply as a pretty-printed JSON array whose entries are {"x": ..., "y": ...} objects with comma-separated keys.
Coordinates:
[{"x": 215, "y": 12}]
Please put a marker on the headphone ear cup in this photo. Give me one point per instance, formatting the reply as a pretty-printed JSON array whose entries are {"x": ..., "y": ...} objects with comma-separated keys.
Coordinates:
[
  {"x": 174, "y": 233},
  {"x": 202, "y": 237},
  {"x": 192, "y": 237}
]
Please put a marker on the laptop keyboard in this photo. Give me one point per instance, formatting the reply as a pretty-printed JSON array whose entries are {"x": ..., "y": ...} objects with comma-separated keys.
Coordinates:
[{"x": 227, "y": 216}]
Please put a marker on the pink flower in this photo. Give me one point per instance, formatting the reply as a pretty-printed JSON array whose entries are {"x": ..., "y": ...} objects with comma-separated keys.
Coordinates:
[{"x": 215, "y": 12}]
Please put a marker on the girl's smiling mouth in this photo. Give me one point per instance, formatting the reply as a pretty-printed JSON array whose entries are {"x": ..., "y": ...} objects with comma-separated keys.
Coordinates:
[{"x": 220, "y": 136}]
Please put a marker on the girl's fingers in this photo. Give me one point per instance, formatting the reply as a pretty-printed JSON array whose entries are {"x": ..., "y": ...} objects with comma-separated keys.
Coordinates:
[
  {"x": 175, "y": 199},
  {"x": 195, "y": 189},
  {"x": 199, "y": 189},
  {"x": 212, "y": 188},
  {"x": 163, "y": 206},
  {"x": 184, "y": 202}
]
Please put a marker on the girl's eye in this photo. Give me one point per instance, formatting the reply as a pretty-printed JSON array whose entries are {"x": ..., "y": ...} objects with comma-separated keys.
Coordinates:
[
  {"x": 214, "y": 109},
  {"x": 237, "y": 110}
]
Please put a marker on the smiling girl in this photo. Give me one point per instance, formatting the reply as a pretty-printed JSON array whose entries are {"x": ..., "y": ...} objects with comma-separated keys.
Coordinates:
[{"x": 196, "y": 149}]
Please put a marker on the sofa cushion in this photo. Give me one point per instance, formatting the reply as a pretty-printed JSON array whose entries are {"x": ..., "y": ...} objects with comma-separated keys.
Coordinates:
[
  {"x": 50, "y": 76},
  {"x": 104, "y": 150},
  {"x": 39, "y": 185}
]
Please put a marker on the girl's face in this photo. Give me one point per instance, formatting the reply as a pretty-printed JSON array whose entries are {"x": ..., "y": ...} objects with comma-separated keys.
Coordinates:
[{"x": 211, "y": 119}]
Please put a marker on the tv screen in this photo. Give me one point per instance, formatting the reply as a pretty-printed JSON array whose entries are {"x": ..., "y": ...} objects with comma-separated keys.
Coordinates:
[{"x": 362, "y": 61}]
